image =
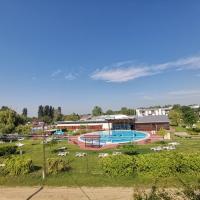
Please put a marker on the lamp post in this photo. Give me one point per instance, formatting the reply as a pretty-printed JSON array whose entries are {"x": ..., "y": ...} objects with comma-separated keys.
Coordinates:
[{"x": 44, "y": 154}]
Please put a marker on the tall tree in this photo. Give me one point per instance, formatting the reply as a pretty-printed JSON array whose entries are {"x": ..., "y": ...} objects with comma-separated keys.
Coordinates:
[
  {"x": 40, "y": 112},
  {"x": 97, "y": 111},
  {"x": 25, "y": 112},
  {"x": 175, "y": 117},
  {"x": 47, "y": 110},
  {"x": 189, "y": 116},
  {"x": 58, "y": 114}
]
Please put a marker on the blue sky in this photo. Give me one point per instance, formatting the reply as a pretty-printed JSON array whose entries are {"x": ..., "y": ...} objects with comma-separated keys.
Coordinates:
[{"x": 78, "y": 54}]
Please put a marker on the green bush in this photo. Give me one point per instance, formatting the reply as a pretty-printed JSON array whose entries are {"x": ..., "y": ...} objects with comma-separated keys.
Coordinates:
[
  {"x": 18, "y": 165},
  {"x": 7, "y": 150},
  {"x": 56, "y": 165},
  {"x": 168, "y": 163},
  {"x": 118, "y": 165},
  {"x": 130, "y": 149}
]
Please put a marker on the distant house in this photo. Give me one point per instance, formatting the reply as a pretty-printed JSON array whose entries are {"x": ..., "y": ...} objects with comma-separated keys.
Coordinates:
[{"x": 152, "y": 111}]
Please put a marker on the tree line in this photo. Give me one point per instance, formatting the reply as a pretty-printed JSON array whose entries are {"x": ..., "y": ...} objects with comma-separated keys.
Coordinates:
[
  {"x": 97, "y": 111},
  {"x": 184, "y": 115}
]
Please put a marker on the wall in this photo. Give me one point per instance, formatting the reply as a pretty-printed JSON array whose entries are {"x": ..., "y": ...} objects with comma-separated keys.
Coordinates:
[
  {"x": 92, "y": 126},
  {"x": 151, "y": 126}
]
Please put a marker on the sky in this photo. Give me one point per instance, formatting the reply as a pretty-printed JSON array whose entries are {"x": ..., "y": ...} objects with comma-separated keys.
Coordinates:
[{"x": 77, "y": 54}]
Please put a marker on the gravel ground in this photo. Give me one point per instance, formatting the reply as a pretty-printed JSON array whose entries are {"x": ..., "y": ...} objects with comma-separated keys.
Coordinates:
[{"x": 66, "y": 193}]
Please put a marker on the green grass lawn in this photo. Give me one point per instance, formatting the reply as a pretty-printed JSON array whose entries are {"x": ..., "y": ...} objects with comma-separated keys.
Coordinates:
[{"x": 86, "y": 171}]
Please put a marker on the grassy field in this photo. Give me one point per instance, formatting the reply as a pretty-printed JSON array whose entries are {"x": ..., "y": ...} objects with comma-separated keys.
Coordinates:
[{"x": 86, "y": 171}]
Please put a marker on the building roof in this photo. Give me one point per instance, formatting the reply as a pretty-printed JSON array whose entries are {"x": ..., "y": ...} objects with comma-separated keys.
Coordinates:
[{"x": 152, "y": 119}]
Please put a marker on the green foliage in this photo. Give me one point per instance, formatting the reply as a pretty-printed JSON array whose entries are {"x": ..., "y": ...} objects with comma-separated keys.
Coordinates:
[
  {"x": 72, "y": 117},
  {"x": 118, "y": 165},
  {"x": 23, "y": 129},
  {"x": 7, "y": 150},
  {"x": 127, "y": 111},
  {"x": 18, "y": 165},
  {"x": 175, "y": 117},
  {"x": 109, "y": 112},
  {"x": 162, "y": 132},
  {"x": 58, "y": 114},
  {"x": 25, "y": 112},
  {"x": 154, "y": 194},
  {"x": 56, "y": 165},
  {"x": 9, "y": 119},
  {"x": 130, "y": 149},
  {"x": 48, "y": 114},
  {"x": 189, "y": 115},
  {"x": 168, "y": 163},
  {"x": 97, "y": 111}
]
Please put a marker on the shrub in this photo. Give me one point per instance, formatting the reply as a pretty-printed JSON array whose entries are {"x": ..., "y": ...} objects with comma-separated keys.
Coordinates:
[
  {"x": 130, "y": 149},
  {"x": 7, "y": 150},
  {"x": 168, "y": 163},
  {"x": 118, "y": 165},
  {"x": 56, "y": 165},
  {"x": 18, "y": 165}
]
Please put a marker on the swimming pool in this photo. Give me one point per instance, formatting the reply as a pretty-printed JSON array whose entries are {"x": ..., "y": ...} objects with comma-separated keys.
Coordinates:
[{"x": 115, "y": 136}]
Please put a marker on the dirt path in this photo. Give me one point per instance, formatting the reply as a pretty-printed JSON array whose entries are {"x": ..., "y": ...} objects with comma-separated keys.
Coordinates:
[{"x": 66, "y": 193}]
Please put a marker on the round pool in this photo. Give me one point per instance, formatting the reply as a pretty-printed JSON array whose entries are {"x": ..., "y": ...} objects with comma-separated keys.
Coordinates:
[{"x": 113, "y": 137}]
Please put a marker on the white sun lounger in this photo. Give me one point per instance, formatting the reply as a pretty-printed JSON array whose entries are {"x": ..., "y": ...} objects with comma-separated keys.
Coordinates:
[
  {"x": 116, "y": 153},
  {"x": 63, "y": 153},
  {"x": 80, "y": 154},
  {"x": 103, "y": 155},
  {"x": 174, "y": 143}
]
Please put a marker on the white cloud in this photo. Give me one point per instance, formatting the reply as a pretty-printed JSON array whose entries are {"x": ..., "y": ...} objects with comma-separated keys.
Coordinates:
[
  {"x": 55, "y": 73},
  {"x": 70, "y": 77},
  {"x": 185, "y": 93},
  {"x": 125, "y": 71},
  {"x": 121, "y": 75}
]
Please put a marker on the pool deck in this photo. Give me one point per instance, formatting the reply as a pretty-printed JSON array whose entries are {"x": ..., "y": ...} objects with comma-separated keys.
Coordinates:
[{"x": 74, "y": 140}]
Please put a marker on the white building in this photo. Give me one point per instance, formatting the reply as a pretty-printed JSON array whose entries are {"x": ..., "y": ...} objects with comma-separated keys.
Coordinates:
[{"x": 152, "y": 111}]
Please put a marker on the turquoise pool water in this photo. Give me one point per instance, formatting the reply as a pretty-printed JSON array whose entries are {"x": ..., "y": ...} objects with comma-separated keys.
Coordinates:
[{"x": 116, "y": 136}]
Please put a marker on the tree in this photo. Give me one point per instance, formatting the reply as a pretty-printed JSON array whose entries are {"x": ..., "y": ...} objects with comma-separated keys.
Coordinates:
[
  {"x": 72, "y": 117},
  {"x": 4, "y": 108},
  {"x": 175, "y": 117},
  {"x": 47, "y": 110},
  {"x": 40, "y": 112},
  {"x": 127, "y": 111},
  {"x": 97, "y": 111},
  {"x": 109, "y": 112},
  {"x": 58, "y": 114},
  {"x": 23, "y": 129},
  {"x": 9, "y": 120},
  {"x": 25, "y": 112},
  {"x": 189, "y": 116}
]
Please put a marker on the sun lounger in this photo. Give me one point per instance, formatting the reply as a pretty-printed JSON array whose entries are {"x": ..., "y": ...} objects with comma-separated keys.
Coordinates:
[
  {"x": 172, "y": 147},
  {"x": 116, "y": 153},
  {"x": 103, "y": 155},
  {"x": 157, "y": 148},
  {"x": 80, "y": 154},
  {"x": 19, "y": 144},
  {"x": 63, "y": 153},
  {"x": 62, "y": 148},
  {"x": 174, "y": 143}
]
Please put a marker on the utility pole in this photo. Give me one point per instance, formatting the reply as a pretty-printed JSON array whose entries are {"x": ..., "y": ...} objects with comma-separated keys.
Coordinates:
[{"x": 44, "y": 154}]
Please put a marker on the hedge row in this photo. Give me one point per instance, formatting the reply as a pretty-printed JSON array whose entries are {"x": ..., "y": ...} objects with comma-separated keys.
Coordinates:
[
  {"x": 7, "y": 150},
  {"x": 158, "y": 164}
]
